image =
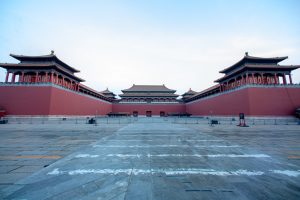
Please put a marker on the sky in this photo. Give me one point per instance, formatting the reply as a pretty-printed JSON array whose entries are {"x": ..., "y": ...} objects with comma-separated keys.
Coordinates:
[{"x": 182, "y": 44}]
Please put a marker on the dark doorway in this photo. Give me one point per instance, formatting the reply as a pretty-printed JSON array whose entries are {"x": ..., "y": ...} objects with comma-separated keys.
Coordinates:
[
  {"x": 162, "y": 113},
  {"x": 135, "y": 113},
  {"x": 148, "y": 113}
]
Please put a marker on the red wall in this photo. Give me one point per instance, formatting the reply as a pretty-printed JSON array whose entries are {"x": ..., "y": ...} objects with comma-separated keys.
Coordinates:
[
  {"x": 254, "y": 101},
  {"x": 155, "y": 108},
  {"x": 70, "y": 103},
  {"x": 49, "y": 100},
  {"x": 226, "y": 104},
  {"x": 274, "y": 101},
  {"x": 25, "y": 100}
]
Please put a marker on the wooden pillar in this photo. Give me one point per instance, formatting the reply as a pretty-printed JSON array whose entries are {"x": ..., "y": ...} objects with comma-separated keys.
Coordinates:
[
  {"x": 284, "y": 79},
  {"x": 43, "y": 78},
  {"x": 46, "y": 77},
  {"x": 247, "y": 78},
  {"x": 63, "y": 81},
  {"x": 7, "y": 75},
  {"x": 36, "y": 77},
  {"x": 290, "y": 77},
  {"x": 22, "y": 77},
  {"x": 275, "y": 77},
  {"x": 13, "y": 77},
  {"x": 262, "y": 78},
  {"x": 51, "y": 77},
  {"x": 252, "y": 77}
]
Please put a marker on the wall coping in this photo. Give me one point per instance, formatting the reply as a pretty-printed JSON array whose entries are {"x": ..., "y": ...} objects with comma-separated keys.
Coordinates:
[
  {"x": 155, "y": 103},
  {"x": 244, "y": 87},
  {"x": 152, "y": 103},
  {"x": 49, "y": 85}
]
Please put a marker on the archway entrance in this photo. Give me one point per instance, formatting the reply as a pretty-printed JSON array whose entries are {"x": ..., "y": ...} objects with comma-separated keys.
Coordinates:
[
  {"x": 162, "y": 113},
  {"x": 135, "y": 113},
  {"x": 148, "y": 113}
]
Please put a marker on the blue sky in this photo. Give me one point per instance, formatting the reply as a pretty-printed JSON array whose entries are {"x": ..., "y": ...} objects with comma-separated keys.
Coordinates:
[{"x": 181, "y": 44}]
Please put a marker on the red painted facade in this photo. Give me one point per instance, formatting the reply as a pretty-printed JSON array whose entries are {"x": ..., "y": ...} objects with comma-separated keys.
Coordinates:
[
  {"x": 49, "y": 100},
  {"x": 155, "y": 109},
  {"x": 52, "y": 100},
  {"x": 18, "y": 100},
  {"x": 65, "y": 102},
  {"x": 44, "y": 85},
  {"x": 251, "y": 100}
]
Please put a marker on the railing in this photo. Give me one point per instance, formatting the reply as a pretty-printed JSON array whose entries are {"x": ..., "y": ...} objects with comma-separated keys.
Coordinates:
[
  {"x": 156, "y": 119},
  {"x": 54, "y": 85},
  {"x": 68, "y": 120},
  {"x": 235, "y": 121}
]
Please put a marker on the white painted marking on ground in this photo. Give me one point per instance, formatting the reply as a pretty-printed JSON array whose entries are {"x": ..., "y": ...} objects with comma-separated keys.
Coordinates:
[
  {"x": 287, "y": 172},
  {"x": 150, "y": 140},
  {"x": 147, "y": 146},
  {"x": 159, "y": 171},
  {"x": 131, "y": 140},
  {"x": 205, "y": 140},
  {"x": 191, "y": 155},
  {"x": 214, "y": 172},
  {"x": 54, "y": 172},
  {"x": 151, "y": 135},
  {"x": 86, "y": 156},
  {"x": 127, "y": 155}
]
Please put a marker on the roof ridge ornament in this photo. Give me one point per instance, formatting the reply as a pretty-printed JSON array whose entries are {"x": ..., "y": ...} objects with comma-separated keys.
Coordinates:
[
  {"x": 246, "y": 53},
  {"x": 52, "y": 52}
]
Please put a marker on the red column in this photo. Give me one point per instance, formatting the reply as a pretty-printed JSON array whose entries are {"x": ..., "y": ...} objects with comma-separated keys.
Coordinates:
[
  {"x": 6, "y": 78},
  {"x": 13, "y": 77},
  {"x": 262, "y": 79},
  {"x": 45, "y": 79},
  {"x": 22, "y": 77},
  {"x": 63, "y": 81},
  {"x": 275, "y": 77},
  {"x": 252, "y": 77},
  {"x": 36, "y": 77},
  {"x": 51, "y": 77},
  {"x": 284, "y": 79},
  {"x": 291, "y": 81}
]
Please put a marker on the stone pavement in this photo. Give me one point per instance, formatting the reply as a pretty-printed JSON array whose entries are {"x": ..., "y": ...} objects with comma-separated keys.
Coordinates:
[
  {"x": 158, "y": 160},
  {"x": 27, "y": 148}
]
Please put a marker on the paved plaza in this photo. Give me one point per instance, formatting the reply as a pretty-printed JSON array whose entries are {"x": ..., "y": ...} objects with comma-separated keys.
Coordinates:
[{"x": 149, "y": 158}]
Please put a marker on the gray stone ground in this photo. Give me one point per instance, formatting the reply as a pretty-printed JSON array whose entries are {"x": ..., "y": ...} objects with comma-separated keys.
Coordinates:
[{"x": 149, "y": 159}]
